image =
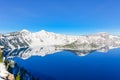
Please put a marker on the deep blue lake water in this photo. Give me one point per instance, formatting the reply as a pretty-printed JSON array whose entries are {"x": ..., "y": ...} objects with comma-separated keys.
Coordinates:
[{"x": 67, "y": 66}]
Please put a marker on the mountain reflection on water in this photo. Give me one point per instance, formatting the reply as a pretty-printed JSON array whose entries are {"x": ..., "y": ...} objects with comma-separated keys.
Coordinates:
[
  {"x": 45, "y": 50},
  {"x": 65, "y": 65}
]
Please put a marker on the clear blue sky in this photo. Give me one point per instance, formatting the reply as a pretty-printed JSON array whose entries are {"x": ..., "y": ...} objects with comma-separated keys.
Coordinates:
[{"x": 61, "y": 16}]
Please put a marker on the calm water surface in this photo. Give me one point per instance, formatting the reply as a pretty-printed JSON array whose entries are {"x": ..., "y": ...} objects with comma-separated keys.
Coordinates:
[{"x": 67, "y": 66}]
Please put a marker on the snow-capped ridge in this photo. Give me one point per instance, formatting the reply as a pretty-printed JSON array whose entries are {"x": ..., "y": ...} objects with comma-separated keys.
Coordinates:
[
  {"x": 103, "y": 33},
  {"x": 25, "y": 38},
  {"x": 24, "y": 30},
  {"x": 43, "y": 31}
]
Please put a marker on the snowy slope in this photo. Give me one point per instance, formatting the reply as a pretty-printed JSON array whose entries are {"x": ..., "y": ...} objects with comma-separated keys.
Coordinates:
[
  {"x": 25, "y": 38},
  {"x": 4, "y": 73},
  {"x": 95, "y": 41},
  {"x": 79, "y": 44}
]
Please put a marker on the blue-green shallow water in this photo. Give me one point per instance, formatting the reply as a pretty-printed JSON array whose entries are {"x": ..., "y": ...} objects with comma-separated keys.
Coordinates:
[{"x": 68, "y": 66}]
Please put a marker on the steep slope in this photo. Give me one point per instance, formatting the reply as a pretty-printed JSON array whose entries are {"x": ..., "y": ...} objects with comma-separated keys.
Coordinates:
[
  {"x": 4, "y": 74},
  {"x": 43, "y": 42},
  {"x": 16, "y": 39},
  {"x": 25, "y": 38}
]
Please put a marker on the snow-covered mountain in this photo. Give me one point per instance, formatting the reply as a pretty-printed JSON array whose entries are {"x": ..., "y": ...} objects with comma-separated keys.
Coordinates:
[
  {"x": 24, "y": 39},
  {"x": 95, "y": 41}
]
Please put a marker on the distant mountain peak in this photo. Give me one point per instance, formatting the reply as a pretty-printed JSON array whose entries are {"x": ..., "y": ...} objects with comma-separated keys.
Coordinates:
[
  {"x": 43, "y": 31},
  {"x": 24, "y": 30},
  {"x": 103, "y": 33}
]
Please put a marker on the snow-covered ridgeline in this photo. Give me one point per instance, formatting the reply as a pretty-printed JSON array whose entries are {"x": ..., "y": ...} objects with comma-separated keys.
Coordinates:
[
  {"x": 26, "y": 38},
  {"x": 39, "y": 42}
]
